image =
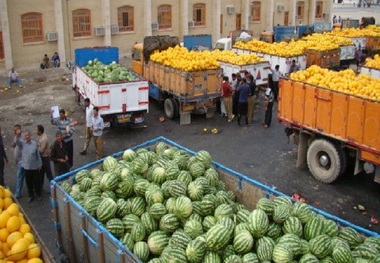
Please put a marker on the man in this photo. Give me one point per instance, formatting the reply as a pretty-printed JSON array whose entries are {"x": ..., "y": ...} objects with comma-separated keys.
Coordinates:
[
  {"x": 293, "y": 67},
  {"x": 244, "y": 91},
  {"x": 44, "y": 150},
  {"x": 13, "y": 77},
  {"x": 97, "y": 132},
  {"x": 56, "y": 60},
  {"x": 31, "y": 162},
  {"x": 3, "y": 159},
  {"x": 17, "y": 153},
  {"x": 251, "y": 98},
  {"x": 89, "y": 115},
  {"x": 358, "y": 56},
  {"x": 235, "y": 100},
  {"x": 58, "y": 155},
  {"x": 66, "y": 127},
  {"x": 269, "y": 97},
  {"x": 227, "y": 98},
  {"x": 276, "y": 74},
  {"x": 46, "y": 61}
]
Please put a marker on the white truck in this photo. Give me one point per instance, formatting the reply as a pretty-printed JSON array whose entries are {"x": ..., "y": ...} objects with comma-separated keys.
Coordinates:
[
  {"x": 121, "y": 103},
  {"x": 373, "y": 72},
  {"x": 258, "y": 70}
]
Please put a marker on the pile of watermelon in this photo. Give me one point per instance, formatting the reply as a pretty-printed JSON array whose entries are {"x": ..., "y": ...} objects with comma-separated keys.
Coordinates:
[{"x": 166, "y": 205}]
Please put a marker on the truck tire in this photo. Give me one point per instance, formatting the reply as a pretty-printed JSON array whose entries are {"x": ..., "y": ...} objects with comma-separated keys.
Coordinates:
[
  {"x": 170, "y": 108},
  {"x": 324, "y": 160}
]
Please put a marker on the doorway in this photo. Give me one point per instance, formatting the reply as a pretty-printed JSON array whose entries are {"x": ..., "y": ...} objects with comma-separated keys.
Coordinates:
[
  {"x": 238, "y": 21},
  {"x": 286, "y": 18}
]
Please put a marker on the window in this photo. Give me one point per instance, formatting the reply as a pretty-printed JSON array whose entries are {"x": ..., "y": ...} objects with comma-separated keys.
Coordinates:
[
  {"x": 165, "y": 17},
  {"x": 126, "y": 18},
  {"x": 300, "y": 9},
  {"x": 255, "y": 11},
  {"x": 319, "y": 9},
  {"x": 199, "y": 14},
  {"x": 32, "y": 30},
  {"x": 81, "y": 23}
]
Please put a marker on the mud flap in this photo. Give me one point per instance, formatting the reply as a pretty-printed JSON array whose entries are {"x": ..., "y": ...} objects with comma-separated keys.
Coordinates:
[
  {"x": 184, "y": 118},
  {"x": 210, "y": 112},
  {"x": 302, "y": 150},
  {"x": 377, "y": 174}
]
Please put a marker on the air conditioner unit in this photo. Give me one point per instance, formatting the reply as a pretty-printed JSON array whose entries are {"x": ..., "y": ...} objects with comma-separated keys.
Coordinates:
[
  {"x": 114, "y": 30},
  {"x": 99, "y": 31},
  {"x": 191, "y": 24},
  {"x": 51, "y": 36},
  {"x": 154, "y": 26},
  {"x": 230, "y": 9},
  {"x": 325, "y": 15},
  {"x": 280, "y": 8}
]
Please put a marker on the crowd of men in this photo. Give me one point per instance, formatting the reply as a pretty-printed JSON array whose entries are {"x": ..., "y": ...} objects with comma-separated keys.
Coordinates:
[{"x": 33, "y": 158}]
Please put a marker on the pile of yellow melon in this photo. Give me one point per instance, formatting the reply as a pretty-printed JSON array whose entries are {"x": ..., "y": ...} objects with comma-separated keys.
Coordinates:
[
  {"x": 372, "y": 30},
  {"x": 231, "y": 57},
  {"x": 373, "y": 63},
  {"x": 345, "y": 81},
  {"x": 17, "y": 243}
]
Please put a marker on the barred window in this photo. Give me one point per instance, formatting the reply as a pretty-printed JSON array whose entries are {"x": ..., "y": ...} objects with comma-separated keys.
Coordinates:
[
  {"x": 165, "y": 17},
  {"x": 126, "y": 18},
  {"x": 255, "y": 11},
  {"x": 32, "y": 29},
  {"x": 82, "y": 23},
  {"x": 300, "y": 9},
  {"x": 199, "y": 14}
]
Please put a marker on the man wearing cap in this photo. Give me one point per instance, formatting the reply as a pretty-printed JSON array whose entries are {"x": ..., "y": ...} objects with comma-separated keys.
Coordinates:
[{"x": 58, "y": 155}]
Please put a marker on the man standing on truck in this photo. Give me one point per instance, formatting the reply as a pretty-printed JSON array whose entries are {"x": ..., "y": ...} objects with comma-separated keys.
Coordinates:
[
  {"x": 66, "y": 126},
  {"x": 276, "y": 74},
  {"x": 97, "y": 133},
  {"x": 89, "y": 115}
]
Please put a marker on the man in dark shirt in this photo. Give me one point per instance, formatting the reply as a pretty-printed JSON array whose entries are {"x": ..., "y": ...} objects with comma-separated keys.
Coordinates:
[
  {"x": 244, "y": 92},
  {"x": 3, "y": 160},
  {"x": 58, "y": 155}
]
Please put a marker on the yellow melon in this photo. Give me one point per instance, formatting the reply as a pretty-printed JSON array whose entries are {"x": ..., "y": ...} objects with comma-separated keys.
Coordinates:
[
  {"x": 13, "y": 209},
  {"x": 13, "y": 237},
  {"x": 4, "y": 216},
  {"x": 13, "y": 224},
  {"x": 34, "y": 251}
]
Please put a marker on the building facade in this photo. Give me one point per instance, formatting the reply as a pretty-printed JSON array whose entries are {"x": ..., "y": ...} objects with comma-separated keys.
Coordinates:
[{"x": 32, "y": 28}]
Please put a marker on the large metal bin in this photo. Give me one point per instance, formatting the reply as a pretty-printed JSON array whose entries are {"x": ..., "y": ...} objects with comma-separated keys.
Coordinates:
[{"x": 84, "y": 239}]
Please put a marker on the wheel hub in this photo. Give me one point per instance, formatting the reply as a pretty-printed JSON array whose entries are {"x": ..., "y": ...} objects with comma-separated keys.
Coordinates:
[{"x": 324, "y": 160}]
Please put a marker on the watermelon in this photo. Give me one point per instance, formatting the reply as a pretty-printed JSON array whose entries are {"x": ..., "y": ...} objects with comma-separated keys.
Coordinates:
[
  {"x": 331, "y": 228},
  {"x": 292, "y": 241},
  {"x": 221, "y": 197},
  {"x": 212, "y": 257},
  {"x": 129, "y": 221},
  {"x": 140, "y": 186},
  {"x": 158, "y": 175},
  {"x": 282, "y": 200},
  {"x": 223, "y": 210},
  {"x": 241, "y": 226},
  {"x": 313, "y": 228},
  {"x": 233, "y": 259},
  {"x": 126, "y": 172},
  {"x": 302, "y": 211},
  {"x": 173, "y": 254},
  {"x": 282, "y": 253},
  {"x": 308, "y": 258},
  {"x": 66, "y": 186},
  {"x": 115, "y": 227},
  {"x": 207, "y": 207},
  {"x": 193, "y": 228},
  {"x": 212, "y": 176},
  {"x": 109, "y": 194},
  {"x": 266, "y": 205},
  {"x": 157, "y": 210},
  {"x": 281, "y": 213},
  {"x": 139, "y": 165},
  {"x": 264, "y": 252},
  {"x": 274, "y": 230},
  {"x": 137, "y": 205},
  {"x": 154, "y": 196},
  {"x": 125, "y": 188},
  {"x": 185, "y": 177},
  {"x": 250, "y": 258},
  {"x": 242, "y": 215},
  {"x": 258, "y": 223},
  {"x": 218, "y": 237},
  {"x": 177, "y": 188},
  {"x": 128, "y": 241},
  {"x": 171, "y": 170},
  {"x": 141, "y": 250},
  {"x": 292, "y": 225},
  {"x": 180, "y": 238},
  {"x": 367, "y": 251},
  {"x": 267, "y": 240},
  {"x": 204, "y": 157},
  {"x": 91, "y": 204},
  {"x": 375, "y": 241},
  {"x": 197, "y": 169},
  {"x": 129, "y": 155},
  {"x": 208, "y": 222},
  {"x": 243, "y": 242},
  {"x": 170, "y": 204},
  {"x": 169, "y": 223},
  {"x": 109, "y": 163},
  {"x": 109, "y": 181},
  {"x": 351, "y": 236},
  {"x": 342, "y": 254},
  {"x": 85, "y": 184},
  {"x": 227, "y": 251},
  {"x": 106, "y": 210},
  {"x": 157, "y": 241},
  {"x": 79, "y": 176},
  {"x": 320, "y": 246},
  {"x": 338, "y": 242},
  {"x": 304, "y": 247},
  {"x": 195, "y": 191},
  {"x": 183, "y": 207},
  {"x": 196, "y": 250},
  {"x": 149, "y": 223},
  {"x": 195, "y": 216}
]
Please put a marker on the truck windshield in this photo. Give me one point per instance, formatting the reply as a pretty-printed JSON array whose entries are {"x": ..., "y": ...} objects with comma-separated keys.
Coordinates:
[
  {"x": 136, "y": 54},
  {"x": 219, "y": 46}
]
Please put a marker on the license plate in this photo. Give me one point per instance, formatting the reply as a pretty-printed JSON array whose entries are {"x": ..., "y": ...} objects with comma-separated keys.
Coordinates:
[{"x": 123, "y": 118}]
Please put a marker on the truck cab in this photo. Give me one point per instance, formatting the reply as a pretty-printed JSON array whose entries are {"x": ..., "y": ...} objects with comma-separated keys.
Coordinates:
[
  {"x": 137, "y": 58},
  {"x": 223, "y": 44}
]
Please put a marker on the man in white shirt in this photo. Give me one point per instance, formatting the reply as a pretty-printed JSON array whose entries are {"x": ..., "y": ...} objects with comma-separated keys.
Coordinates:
[
  {"x": 97, "y": 132},
  {"x": 13, "y": 77},
  {"x": 276, "y": 74},
  {"x": 89, "y": 115}
]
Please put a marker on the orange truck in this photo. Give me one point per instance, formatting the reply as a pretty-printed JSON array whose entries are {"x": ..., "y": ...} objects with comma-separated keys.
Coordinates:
[{"x": 331, "y": 129}]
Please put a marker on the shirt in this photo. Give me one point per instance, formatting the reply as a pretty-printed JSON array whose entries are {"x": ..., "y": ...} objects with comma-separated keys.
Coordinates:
[
  {"x": 58, "y": 151},
  {"x": 276, "y": 74},
  {"x": 65, "y": 126},
  {"x": 13, "y": 75},
  {"x": 269, "y": 95},
  {"x": 17, "y": 151},
  {"x": 227, "y": 89},
  {"x": 44, "y": 146},
  {"x": 3, "y": 154},
  {"x": 244, "y": 92},
  {"x": 89, "y": 114},
  {"x": 97, "y": 123},
  {"x": 233, "y": 84},
  {"x": 31, "y": 159}
]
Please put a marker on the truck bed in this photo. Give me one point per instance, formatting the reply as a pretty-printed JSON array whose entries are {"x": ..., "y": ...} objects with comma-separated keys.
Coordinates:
[
  {"x": 373, "y": 72},
  {"x": 352, "y": 119},
  {"x": 87, "y": 239}
]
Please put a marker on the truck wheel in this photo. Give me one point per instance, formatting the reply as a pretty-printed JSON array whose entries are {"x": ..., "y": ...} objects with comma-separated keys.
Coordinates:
[
  {"x": 170, "y": 108},
  {"x": 324, "y": 161}
]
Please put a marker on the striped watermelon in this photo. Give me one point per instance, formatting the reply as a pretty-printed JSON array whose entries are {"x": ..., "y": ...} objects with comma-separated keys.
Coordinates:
[
  {"x": 351, "y": 236},
  {"x": 302, "y": 211},
  {"x": 320, "y": 246},
  {"x": 85, "y": 184},
  {"x": 180, "y": 239},
  {"x": 258, "y": 223},
  {"x": 233, "y": 259},
  {"x": 196, "y": 250},
  {"x": 139, "y": 165},
  {"x": 129, "y": 155},
  {"x": 331, "y": 228},
  {"x": 157, "y": 210},
  {"x": 243, "y": 242},
  {"x": 154, "y": 196},
  {"x": 149, "y": 223},
  {"x": 212, "y": 257},
  {"x": 367, "y": 251},
  {"x": 292, "y": 225},
  {"x": 223, "y": 210},
  {"x": 292, "y": 241},
  {"x": 91, "y": 204},
  {"x": 66, "y": 186},
  {"x": 157, "y": 241},
  {"x": 338, "y": 242},
  {"x": 109, "y": 194},
  {"x": 208, "y": 222},
  {"x": 204, "y": 157},
  {"x": 129, "y": 221},
  {"x": 274, "y": 230},
  {"x": 227, "y": 251},
  {"x": 195, "y": 216},
  {"x": 241, "y": 226},
  {"x": 140, "y": 186},
  {"x": 195, "y": 191},
  {"x": 327, "y": 259},
  {"x": 141, "y": 250},
  {"x": 138, "y": 232},
  {"x": 128, "y": 241},
  {"x": 281, "y": 213},
  {"x": 137, "y": 206},
  {"x": 304, "y": 247},
  {"x": 282, "y": 253},
  {"x": 172, "y": 171},
  {"x": 158, "y": 175},
  {"x": 267, "y": 240},
  {"x": 218, "y": 237},
  {"x": 126, "y": 172},
  {"x": 221, "y": 197},
  {"x": 242, "y": 215},
  {"x": 115, "y": 227},
  {"x": 308, "y": 258},
  {"x": 212, "y": 176},
  {"x": 170, "y": 204},
  {"x": 193, "y": 228},
  {"x": 177, "y": 188},
  {"x": 125, "y": 188},
  {"x": 161, "y": 147},
  {"x": 227, "y": 222},
  {"x": 173, "y": 254},
  {"x": 197, "y": 169},
  {"x": 183, "y": 207},
  {"x": 313, "y": 228},
  {"x": 266, "y": 205},
  {"x": 185, "y": 177},
  {"x": 169, "y": 223},
  {"x": 250, "y": 258},
  {"x": 109, "y": 163},
  {"x": 282, "y": 200},
  {"x": 264, "y": 252},
  {"x": 106, "y": 210},
  {"x": 375, "y": 241},
  {"x": 109, "y": 181},
  {"x": 207, "y": 207},
  {"x": 342, "y": 254},
  {"x": 94, "y": 173},
  {"x": 79, "y": 176}
]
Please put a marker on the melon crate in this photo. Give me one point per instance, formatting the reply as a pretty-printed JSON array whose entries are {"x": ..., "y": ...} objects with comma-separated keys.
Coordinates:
[{"x": 161, "y": 202}]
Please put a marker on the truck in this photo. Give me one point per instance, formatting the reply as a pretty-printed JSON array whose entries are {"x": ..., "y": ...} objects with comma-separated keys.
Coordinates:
[
  {"x": 228, "y": 42},
  {"x": 331, "y": 129},
  {"x": 373, "y": 72},
  {"x": 121, "y": 103},
  {"x": 197, "y": 42},
  {"x": 181, "y": 92},
  {"x": 84, "y": 239}
]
